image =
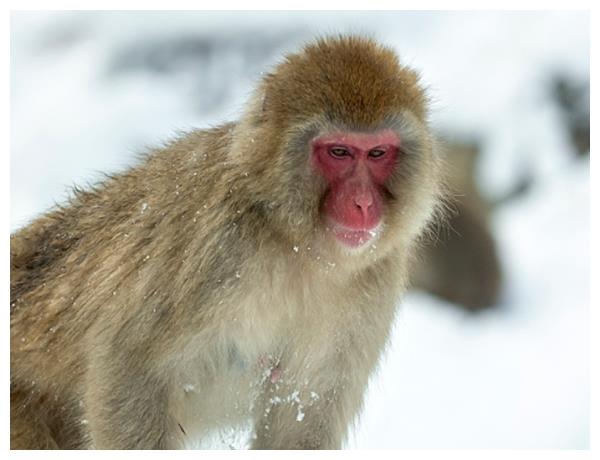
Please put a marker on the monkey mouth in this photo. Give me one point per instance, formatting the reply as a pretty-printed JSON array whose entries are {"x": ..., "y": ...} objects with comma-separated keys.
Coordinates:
[{"x": 353, "y": 238}]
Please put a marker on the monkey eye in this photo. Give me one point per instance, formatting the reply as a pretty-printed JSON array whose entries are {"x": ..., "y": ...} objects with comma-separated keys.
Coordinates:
[
  {"x": 376, "y": 153},
  {"x": 339, "y": 152}
]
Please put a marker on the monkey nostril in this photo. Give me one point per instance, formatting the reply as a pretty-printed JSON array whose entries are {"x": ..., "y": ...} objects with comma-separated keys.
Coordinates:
[{"x": 364, "y": 201}]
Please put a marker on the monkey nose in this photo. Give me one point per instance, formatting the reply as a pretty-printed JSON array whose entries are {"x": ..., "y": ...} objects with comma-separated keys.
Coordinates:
[{"x": 363, "y": 202}]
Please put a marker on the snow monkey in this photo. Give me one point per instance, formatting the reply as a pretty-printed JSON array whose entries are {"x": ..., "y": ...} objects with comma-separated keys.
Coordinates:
[{"x": 244, "y": 274}]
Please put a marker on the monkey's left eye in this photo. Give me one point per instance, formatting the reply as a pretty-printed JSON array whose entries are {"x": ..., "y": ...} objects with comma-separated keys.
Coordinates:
[{"x": 376, "y": 153}]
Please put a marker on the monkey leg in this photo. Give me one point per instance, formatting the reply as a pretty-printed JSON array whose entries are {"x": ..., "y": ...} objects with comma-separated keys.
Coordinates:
[
  {"x": 127, "y": 406},
  {"x": 27, "y": 428}
]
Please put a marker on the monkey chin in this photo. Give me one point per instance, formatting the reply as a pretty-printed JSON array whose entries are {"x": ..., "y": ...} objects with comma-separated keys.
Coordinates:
[{"x": 354, "y": 240}]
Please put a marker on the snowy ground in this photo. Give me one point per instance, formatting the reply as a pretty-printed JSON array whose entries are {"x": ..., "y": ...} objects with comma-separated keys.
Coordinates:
[{"x": 89, "y": 90}]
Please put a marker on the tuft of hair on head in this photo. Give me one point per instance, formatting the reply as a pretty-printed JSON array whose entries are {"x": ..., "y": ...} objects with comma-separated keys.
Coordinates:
[{"x": 349, "y": 79}]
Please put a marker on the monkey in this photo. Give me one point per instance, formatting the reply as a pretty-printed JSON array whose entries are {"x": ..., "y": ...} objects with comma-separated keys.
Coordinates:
[{"x": 244, "y": 273}]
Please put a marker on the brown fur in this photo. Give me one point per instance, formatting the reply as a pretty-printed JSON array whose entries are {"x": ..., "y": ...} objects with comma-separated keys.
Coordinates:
[{"x": 155, "y": 306}]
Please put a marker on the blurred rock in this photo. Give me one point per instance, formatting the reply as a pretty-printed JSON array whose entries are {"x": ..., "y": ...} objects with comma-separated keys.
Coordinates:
[
  {"x": 573, "y": 98},
  {"x": 462, "y": 266}
]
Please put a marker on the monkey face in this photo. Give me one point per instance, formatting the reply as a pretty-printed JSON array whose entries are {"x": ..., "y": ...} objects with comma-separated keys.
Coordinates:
[
  {"x": 355, "y": 167},
  {"x": 378, "y": 185},
  {"x": 347, "y": 190}
]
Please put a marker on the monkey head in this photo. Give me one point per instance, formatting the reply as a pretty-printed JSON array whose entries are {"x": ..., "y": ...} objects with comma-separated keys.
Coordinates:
[{"x": 339, "y": 133}]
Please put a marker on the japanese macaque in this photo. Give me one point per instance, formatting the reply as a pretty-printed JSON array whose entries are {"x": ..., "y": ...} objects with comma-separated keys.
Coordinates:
[{"x": 247, "y": 273}]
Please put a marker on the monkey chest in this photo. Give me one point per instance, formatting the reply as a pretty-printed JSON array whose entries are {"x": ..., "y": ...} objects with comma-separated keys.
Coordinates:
[
  {"x": 270, "y": 349},
  {"x": 215, "y": 401}
]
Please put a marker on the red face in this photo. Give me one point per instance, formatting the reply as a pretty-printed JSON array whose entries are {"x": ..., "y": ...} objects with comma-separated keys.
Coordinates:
[{"x": 355, "y": 166}]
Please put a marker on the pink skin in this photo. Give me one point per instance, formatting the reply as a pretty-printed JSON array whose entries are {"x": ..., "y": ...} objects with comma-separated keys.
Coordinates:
[
  {"x": 275, "y": 375},
  {"x": 356, "y": 166},
  {"x": 274, "y": 368}
]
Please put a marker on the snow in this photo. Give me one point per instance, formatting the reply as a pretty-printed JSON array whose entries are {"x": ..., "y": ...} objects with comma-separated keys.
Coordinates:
[{"x": 511, "y": 378}]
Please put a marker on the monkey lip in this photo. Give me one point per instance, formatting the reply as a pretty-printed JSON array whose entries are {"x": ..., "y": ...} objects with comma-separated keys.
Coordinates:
[{"x": 353, "y": 238}]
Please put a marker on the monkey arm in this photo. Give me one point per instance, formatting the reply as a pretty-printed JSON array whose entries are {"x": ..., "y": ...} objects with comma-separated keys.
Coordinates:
[
  {"x": 292, "y": 426},
  {"x": 126, "y": 400}
]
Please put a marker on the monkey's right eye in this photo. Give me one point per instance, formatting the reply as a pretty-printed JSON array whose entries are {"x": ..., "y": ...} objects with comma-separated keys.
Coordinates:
[{"x": 339, "y": 152}]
